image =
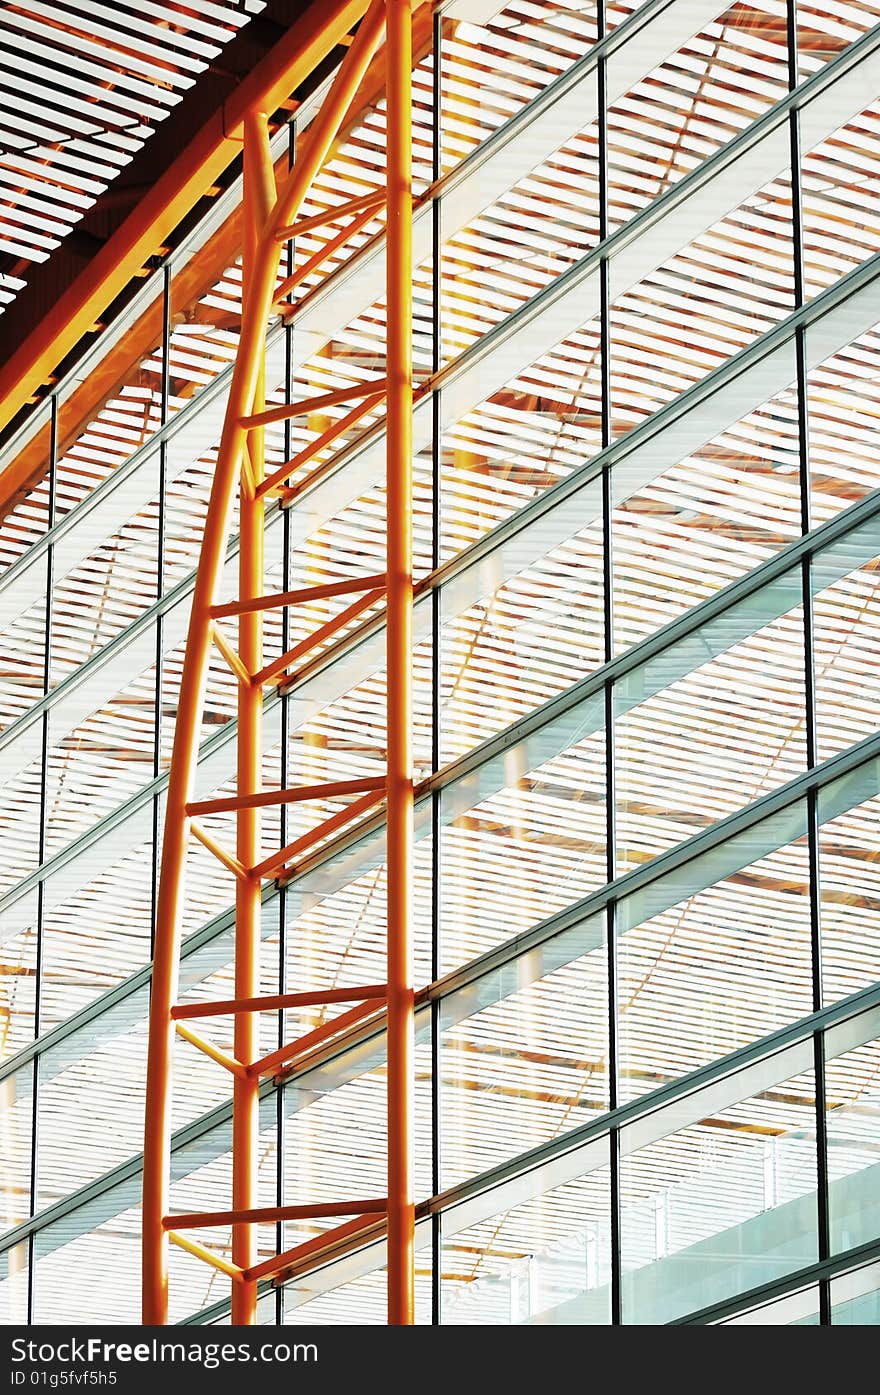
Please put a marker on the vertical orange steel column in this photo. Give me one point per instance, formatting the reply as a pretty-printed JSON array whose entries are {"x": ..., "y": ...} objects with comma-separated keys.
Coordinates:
[
  {"x": 267, "y": 225},
  {"x": 259, "y": 196},
  {"x": 181, "y": 780},
  {"x": 401, "y": 1212}
]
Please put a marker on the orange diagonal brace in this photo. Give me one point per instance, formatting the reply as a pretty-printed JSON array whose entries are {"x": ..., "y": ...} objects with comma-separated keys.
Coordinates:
[
  {"x": 304, "y": 594},
  {"x": 272, "y": 864},
  {"x": 288, "y": 1258},
  {"x": 230, "y": 862},
  {"x": 374, "y": 199},
  {"x": 278, "y": 667},
  {"x": 216, "y": 1261},
  {"x": 229, "y": 654},
  {"x": 304, "y": 271},
  {"x": 268, "y": 1064},
  {"x": 276, "y": 1002},
  {"x": 339, "y": 428},
  {"x": 297, "y": 794},
  {"x": 308, "y": 406},
  {"x": 264, "y": 1215}
]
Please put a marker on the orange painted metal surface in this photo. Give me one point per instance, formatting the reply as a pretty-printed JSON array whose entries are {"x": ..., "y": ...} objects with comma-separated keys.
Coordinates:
[
  {"x": 291, "y": 60},
  {"x": 240, "y": 465},
  {"x": 401, "y": 1047}
]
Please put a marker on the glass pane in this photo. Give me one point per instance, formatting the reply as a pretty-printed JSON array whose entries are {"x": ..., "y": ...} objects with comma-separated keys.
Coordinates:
[
  {"x": 841, "y": 193},
  {"x": 491, "y": 69},
  {"x": 14, "y": 1285},
  {"x": 28, "y": 520},
  {"x": 23, "y": 640},
  {"x": 18, "y": 974},
  {"x": 352, "y": 1291},
  {"x": 531, "y": 634},
  {"x": 107, "y": 580},
  {"x": 16, "y": 1125},
  {"x": 336, "y": 920},
  {"x": 524, "y": 835},
  {"x": 335, "y": 1134},
  {"x": 681, "y": 535},
  {"x": 545, "y": 1261},
  {"x": 824, "y": 30},
  {"x": 855, "y": 1298},
  {"x": 721, "y": 1206},
  {"x": 844, "y": 444},
  {"x": 520, "y": 219},
  {"x": 542, "y": 422},
  {"x": 849, "y": 880},
  {"x": 853, "y": 1122},
  {"x": 108, "y": 1251},
  {"x": 99, "y": 757},
  {"x": 710, "y": 723},
  {"x": 721, "y": 958},
  {"x": 846, "y": 631},
  {"x": 674, "y": 322},
  {"x": 729, "y": 72},
  {"x": 525, "y": 1053},
  {"x": 115, "y": 410}
]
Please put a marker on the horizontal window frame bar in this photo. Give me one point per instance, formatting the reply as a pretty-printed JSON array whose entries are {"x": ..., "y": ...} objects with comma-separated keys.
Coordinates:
[
  {"x": 776, "y": 117},
  {"x": 226, "y": 205},
  {"x": 740, "y": 589},
  {"x": 834, "y": 529},
  {"x": 652, "y": 1102}
]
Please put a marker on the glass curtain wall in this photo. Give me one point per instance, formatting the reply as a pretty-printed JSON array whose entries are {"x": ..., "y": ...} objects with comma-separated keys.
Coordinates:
[{"x": 647, "y": 538}]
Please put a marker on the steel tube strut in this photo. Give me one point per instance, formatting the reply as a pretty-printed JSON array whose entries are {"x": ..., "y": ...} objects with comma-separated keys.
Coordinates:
[
  {"x": 401, "y": 1047},
  {"x": 268, "y": 214}
]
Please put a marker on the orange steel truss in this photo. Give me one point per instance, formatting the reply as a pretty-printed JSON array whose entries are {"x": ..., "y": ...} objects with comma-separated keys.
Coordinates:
[{"x": 270, "y": 214}]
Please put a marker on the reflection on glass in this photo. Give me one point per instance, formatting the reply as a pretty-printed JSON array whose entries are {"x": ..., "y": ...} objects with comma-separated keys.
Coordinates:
[
  {"x": 672, "y": 325},
  {"x": 18, "y": 965},
  {"x": 353, "y": 1291},
  {"x": 846, "y": 638},
  {"x": 715, "y": 738},
  {"x": 709, "y": 972},
  {"x": 844, "y": 449},
  {"x": 728, "y": 73},
  {"x": 849, "y": 880},
  {"x": 534, "y": 843},
  {"x": 721, "y": 1206},
  {"x": 681, "y": 535},
  {"x": 14, "y": 1285},
  {"x": 855, "y": 1298},
  {"x": 525, "y": 1053},
  {"x": 16, "y": 1128},
  {"x": 544, "y": 1262},
  {"x": 852, "y": 1088},
  {"x": 490, "y": 70},
  {"x": 840, "y": 179},
  {"x": 536, "y": 628}
]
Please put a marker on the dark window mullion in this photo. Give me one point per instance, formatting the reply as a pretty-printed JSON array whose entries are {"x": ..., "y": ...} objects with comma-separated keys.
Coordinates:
[
  {"x": 822, "y": 1201},
  {"x": 41, "y": 842},
  {"x": 608, "y": 612},
  {"x": 283, "y": 772},
  {"x": 436, "y": 649}
]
